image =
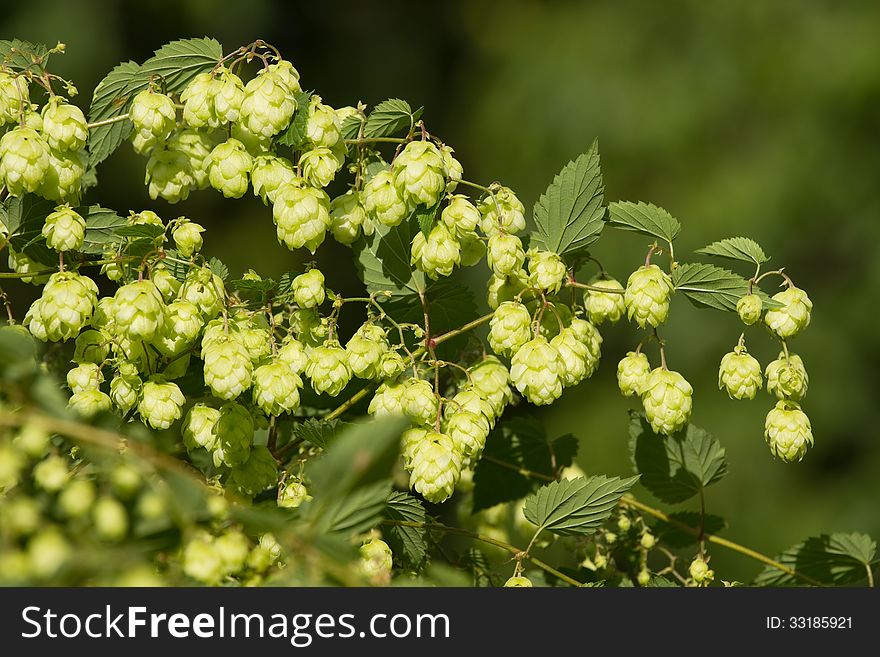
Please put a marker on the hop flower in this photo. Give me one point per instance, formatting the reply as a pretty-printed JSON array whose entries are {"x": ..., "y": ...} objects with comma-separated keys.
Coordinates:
[
  {"x": 666, "y": 396},
  {"x": 161, "y": 403},
  {"x": 64, "y": 229},
  {"x": 468, "y": 432},
  {"x": 322, "y": 124},
  {"x": 125, "y": 387},
  {"x": 502, "y": 211},
  {"x": 387, "y": 401},
  {"x": 63, "y": 179},
  {"x": 302, "y": 216},
  {"x": 139, "y": 310},
  {"x": 505, "y": 254},
  {"x": 24, "y": 160},
  {"x": 460, "y": 216},
  {"x": 228, "y": 369},
  {"x": 537, "y": 370},
  {"x": 647, "y": 296},
  {"x": 308, "y": 289},
  {"x": 589, "y": 335},
  {"x": 518, "y": 581},
  {"x": 376, "y": 561},
  {"x": 510, "y": 328},
  {"x": 749, "y": 308},
  {"x": 319, "y": 166},
  {"x": 255, "y": 475},
  {"x": 328, "y": 369},
  {"x": 602, "y": 306},
  {"x": 454, "y": 170},
  {"x": 410, "y": 442},
  {"x": 198, "y": 102},
  {"x": 491, "y": 379},
  {"x": 504, "y": 288},
  {"x": 89, "y": 402},
  {"x": 419, "y": 173},
  {"x": 91, "y": 346},
  {"x": 84, "y": 376},
  {"x": 198, "y": 428},
  {"x": 383, "y": 201},
  {"x": 13, "y": 92},
  {"x": 66, "y": 305},
  {"x": 293, "y": 354},
  {"x": 438, "y": 254},
  {"x": 293, "y": 493},
  {"x": 203, "y": 288},
  {"x": 471, "y": 401},
  {"x": 165, "y": 282},
  {"x": 419, "y": 401},
  {"x": 365, "y": 350},
  {"x": 739, "y": 374},
  {"x": 229, "y": 167},
  {"x": 77, "y": 498},
  {"x": 268, "y": 104},
  {"x": 235, "y": 433},
  {"x": 276, "y": 388},
  {"x": 573, "y": 354},
  {"x": 110, "y": 519},
  {"x": 436, "y": 468},
  {"x": 196, "y": 147},
  {"x": 268, "y": 174},
  {"x": 788, "y": 431},
  {"x": 154, "y": 118},
  {"x": 187, "y": 237},
  {"x": 348, "y": 217},
  {"x": 787, "y": 377},
  {"x": 793, "y": 317},
  {"x": 546, "y": 270},
  {"x": 390, "y": 365},
  {"x": 700, "y": 572},
  {"x": 286, "y": 74},
  {"x": 64, "y": 125},
  {"x": 228, "y": 96},
  {"x": 202, "y": 561},
  {"x": 169, "y": 175}
]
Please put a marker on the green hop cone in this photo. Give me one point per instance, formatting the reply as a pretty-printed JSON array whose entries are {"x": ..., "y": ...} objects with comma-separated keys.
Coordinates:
[
  {"x": 505, "y": 254},
  {"x": 255, "y": 475},
  {"x": 788, "y": 432},
  {"x": 64, "y": 308},
  {"x": 235, "y": 433},
  {"x": 64, "y": 229},
  {"x": 268, "y": 104},
  {"x": 110, "y": 519},
  {"x": 387, "y": 401},
  {"x": 632, "y": 373},
  {"x": 229, "y": 167},
  {"x": 77, "y": 498},
  {"x": 228, "y": 96},
  {"x": 82, "y": 377},
  {"x": 89, "y": 402},
  {"x": 64, "y": 125},
  {"x": 328, "y": 369},
  {"x": 322, "y": 124},
  {"x": 228, "y": 369},
  {"x": 91, "y": 346},
  {"x": 518, "y": 581},
  {"x": 161, "y": 403},
  {"x": 505, "y": 288},
  {"x": 13, "y": 92},
  {"x": 410, "y": 442},
  {"x": 749, "y": 308},
  {"x": 605, "y": 306},
  {"x": 647, "y": 296},
  {"x": 302, "y": 216},
  {"x": 169, "y": 175},
  {"x": 454, "y": 170},
  {"x": 125, "y": 387},
  {"x": 293, "y": 493},
  {"x": 319, "y": 166},
  {"x": 183, "y": 323},
  {"x": 382, "y": 200},
  {"x": 196, "y": 147},
  {"x": 286, "y": 74},
  {"x": 537, "y": 370},
  {"x": 308, "y": 289},
  {"x": 460, "y": 216},
  {"x": 510, "y": 328},
  {"x": 139, "y": 310},
  {"x": 293, "y": 354},
  {"x": 198, "y": 428},
  {"x": 276, "y": 388},
  {"x": 348, "y": 218},
  {"x": 419, "y": 173},
  {"x": 154, "y": 119},
  {"x": 700, "y": 572},
  {"x": 187, "y": 237},
  {"x": 546, "y": 270},
  {"x": 438, "y": 254},
  {"x": 63, "y": 180},
  {"x": 198, "y": 102},
  {"x": 365, "y": 350},
  {"x": 740, "y": 374},
  {"x": 491, "y": 380},
  {"x": 268, "y": 174},
  {"x": 666, "y": 396},
  {"x": 205, "y": 290},
  {"x": 436, "y": 468},
  {"x": 390, "y": 365},
  {"x": 165, "y": 282},
  {"x": 471, "y": 401},
  {"x": 502, "y": 211},
  {"x": 265, "y": 554},
  {"x": 376, "y": 561},
  {"x": 419, "y": 402},
  {"x": 590, "y": 337},
  {"x": 793, "y": 317},
  {"x": 787, "y": 377},
  {"x": 24, "y": 160},
  {"x": 573, "y": 354},
  {"x": 201, "y": 561},
  {"x": 468, "y": 432}
]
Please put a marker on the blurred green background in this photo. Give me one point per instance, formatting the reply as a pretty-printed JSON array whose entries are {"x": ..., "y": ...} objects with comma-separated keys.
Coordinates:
[{"x": 739, "y": 117}]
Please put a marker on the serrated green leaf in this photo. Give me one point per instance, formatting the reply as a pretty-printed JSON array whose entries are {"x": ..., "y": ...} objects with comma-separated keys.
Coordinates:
[
  {"x": 20, "y": 55},
  {"x": 675, "y": 468},
  {"x": 676, "y": 537},
  {"x": 178, "y": 269},
  {"x": 383, "y": 261},
  {"x": 425, "y": 217},
  {"x": 409, "y": 545},
  {"x": 568, "y": 215},
  {"x": 563, "y": 450},
  {"x": 135, "y": 231},
  {"x": 295, "y": 133},
  {"x": 354, "y": 512},
  {"x": 644, "y": 218},
  {"x": 219, "y": 268},
  {"x": 351, "y": 126},
  {"x": 319, "y": 432},
  {"x": 101, "y": 227},
  {"x": 18, "y": 353},
  {"x": 575, "y": 506},
  {"x": 708, "y": 286},
  {"x": 836, "y": 559},
  {"x": 261, "y": 286},
  {"x": 25, "y": 217},
  {"x": 391, "y": 117},
  {"x": 111, "y": 99},
  {"x": 178, "y": 62},
  {"x": 736, "y": 248}
]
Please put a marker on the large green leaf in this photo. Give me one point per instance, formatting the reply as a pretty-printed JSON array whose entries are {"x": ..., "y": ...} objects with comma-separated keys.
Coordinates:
[
  {"x": 835, "y": 559},
  {"x": 675, "y": 468},
  {"x": 383, "y": 261},
  {"x": 644, "y": 218},
  {"x": 295, "y": 133},
  {"x": 102, "y": 226},
  {"x": 708, "y": 286},
  {"x": 391, "y": 117},
  {"x": 178, "y": 62},
  {"x": 568, "y": 215},
  {"x": 409, "y": 545},
  {"x": 576, "y": 506},
  {"x": 354, "y": 512},
  {"x": 736, "y": 248},
  {"x": 20, "y": 55}
]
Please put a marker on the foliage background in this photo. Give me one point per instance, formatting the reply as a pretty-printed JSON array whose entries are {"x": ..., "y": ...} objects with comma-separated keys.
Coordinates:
[{"x": 750, "y": 118}]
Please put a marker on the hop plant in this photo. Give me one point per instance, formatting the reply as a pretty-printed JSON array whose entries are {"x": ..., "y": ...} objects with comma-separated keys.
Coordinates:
[
  {"x": 470, "y": 400},
  {"x": 365, "y": 350},
  {"x": 787, "y": 377},
  {"x": 788, "y": 431},
  {"x": 228, "y": 96},
  {"x": 65, "y": 307},
  {"x": 749, "y": 308},
  {"x": 64, "y": 229},
  {"x": 63, "y": 178},
  {"x": 491, "y": 379},
  {"x": 64, "y": 126},
  {"x": 438, "y": 254},
  {"x": 666, "y": 396},
  {"x": 293, "y": 493},
  {"x": 740, "y": 374},
  {"x": 13, "y": 93},
  {"x": 268, "y": 104},
  {"x": 518, "y": 581},
  {"x": 510, "y": 328},
  {"x": 161, "y": 403},
  {"x": 419, "y": 401},
  {"x": 647, "y": 296},
  {"x": 204, "y": 289},
  {"x": 84, "y": 376},
  {"x": 328, "y": 369},
  {"x": 604, "y": 306},
  {"x": 376, "y": 561},
  {"x": 322, "y": 124},
  {"x": 435, "y": 468},
  {"x": 228, "y": 369},
  {"x": 125, "y": 387},
  {"x": 235, "y": 432},
  {"x": 24, "y": 160},
  {"x": 468, "y": 432},
  {"x": 169, "y": 175},
  {"x": 139, "y": 310},
  {"x": 276, "y": 388},
  {"x": 419, "y": 173},
  {"x": 89, "y": 402},
  {"x": 505, "y": 254},
  {"x": 293, "y": 354},
  {"x": 546, "y": 270},
  {"x": 268, "y": 174},
  {"x": 573, "y": 355},
  {"x": 154, "y": 119},
  {"x": 91, "y": 346},
  {"x": 255, "y": 475},
  {"x": 502, "y": 211},
  {"x": 319, "y": 166},
  {"x": 537, "y": 371},
  {"x": 302, "y": 216},
  {"x": 348, "y": 218},
  {"x": 460, "y": 216},
  {"x": 793, "y": 317},
  {"x": 229, "y": 167},
  {"x": 196, "y": 147},
  {"x": 198, "y": 428},
  {"x": 388, "y": 401},
  {"x": 700, "y": 573},
  {"x": 382, "y": 200},
  {"x": 589, "y": 335},
  {"x": 308, "y": 289}
]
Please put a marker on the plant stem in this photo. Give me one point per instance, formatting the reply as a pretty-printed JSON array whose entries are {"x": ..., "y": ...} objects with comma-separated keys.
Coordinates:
[
  {"x": 375, "y": 140},
  {"x": 593, "y": 288},
  {"x": 110, "y": 121},
  {"x": 870, "y": 575}
]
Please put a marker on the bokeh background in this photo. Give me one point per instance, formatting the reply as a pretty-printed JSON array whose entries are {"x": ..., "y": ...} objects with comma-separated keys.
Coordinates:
[{"x": 755, "y": 118}]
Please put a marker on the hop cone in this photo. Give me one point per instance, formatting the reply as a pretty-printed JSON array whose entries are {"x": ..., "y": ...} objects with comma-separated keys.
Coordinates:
[
  {"x": 647, "y": 296},
  {"x": 787, "y": 377},
  {"x": 436, "y": 468},
  {"x": 793, "y": 317},
  {"x": 788, "y": 431},
  {"x": 537, "y": 370},
  {"x": 605, "y": 306},
  {"x": 161, "y": 403},
  {"x": 667, "y": 399},
  {"x": 328, "y": 369},
  {"x": 739, "y": 374},
  {"x": 510, "y": 328}
]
